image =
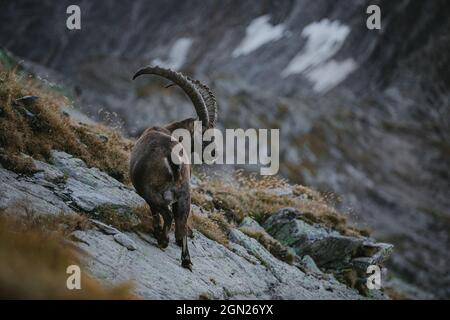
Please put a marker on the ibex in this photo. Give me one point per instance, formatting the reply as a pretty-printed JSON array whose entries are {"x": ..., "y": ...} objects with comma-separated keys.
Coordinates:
[{"x": 163, "y": 184}]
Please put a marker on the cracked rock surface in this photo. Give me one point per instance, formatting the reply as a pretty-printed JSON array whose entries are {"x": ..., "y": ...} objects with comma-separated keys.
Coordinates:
[
  {"x": 248, "y": 271},
  {"x": 64, "y": 186}
]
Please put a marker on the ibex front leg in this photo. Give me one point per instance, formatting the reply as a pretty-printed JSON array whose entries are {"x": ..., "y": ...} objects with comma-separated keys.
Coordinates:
[{"x": 181, "y": 210}]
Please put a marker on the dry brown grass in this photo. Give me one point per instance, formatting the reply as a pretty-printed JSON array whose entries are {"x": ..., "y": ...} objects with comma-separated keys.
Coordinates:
[
  {"x": 34, "y": 256},
  {"x": 214, "y": 227},
  {"x": 395, "y": 294},
  {"x": 36, "y": 128},
  {"x": 249, "y": 196},
  {"x": 63, "y": 224},
  {"x": 272, "y": 245},
  {"x": 199, "y": 198},
  {"x": 126, "y": 219},
  {"x": 17, "y": 163},
  {"x": 204, "y": 296}
]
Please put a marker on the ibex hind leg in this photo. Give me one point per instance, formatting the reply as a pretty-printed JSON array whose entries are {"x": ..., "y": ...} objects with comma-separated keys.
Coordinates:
[
  {"x": 181, "y": 210},
  {"x": 168, "y": 218},
  {"x": 157, "y": 226},
  {"x": 161, "y": 231}
]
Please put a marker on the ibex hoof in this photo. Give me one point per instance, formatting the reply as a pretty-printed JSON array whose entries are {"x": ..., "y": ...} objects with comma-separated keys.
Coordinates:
[
  {"x": 187, "y": 264},
  {"x": 163, "y": 243},
  {"x": 190, "y": 233}
]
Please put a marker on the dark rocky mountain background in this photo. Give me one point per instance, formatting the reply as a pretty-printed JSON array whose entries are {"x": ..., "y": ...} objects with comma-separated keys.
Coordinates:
[{"x": 363, "y": 113}]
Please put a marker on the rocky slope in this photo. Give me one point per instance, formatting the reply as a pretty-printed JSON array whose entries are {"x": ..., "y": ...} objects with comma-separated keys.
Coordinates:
[{"x": 244, "y": 269}]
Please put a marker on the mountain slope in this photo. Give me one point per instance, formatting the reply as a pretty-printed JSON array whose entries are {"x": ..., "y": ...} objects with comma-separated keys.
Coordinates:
[{"x": 364, "y": 114}]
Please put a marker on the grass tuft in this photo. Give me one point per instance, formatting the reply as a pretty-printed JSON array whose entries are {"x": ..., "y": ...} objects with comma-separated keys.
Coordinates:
[
  {"x": 277, "y": 249},
  {"x": 35, "y": 254},
  {"x": 214, "y": 227},
  {"x": 34, "y": 127},
  {"x": 126, "y": 219},
  {"x": 249, "y": 196}
]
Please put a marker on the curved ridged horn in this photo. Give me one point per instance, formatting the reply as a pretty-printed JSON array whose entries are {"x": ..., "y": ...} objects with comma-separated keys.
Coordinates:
[
  {"x": 184, "y": 83},
  {"x": 210, "y": 101}
]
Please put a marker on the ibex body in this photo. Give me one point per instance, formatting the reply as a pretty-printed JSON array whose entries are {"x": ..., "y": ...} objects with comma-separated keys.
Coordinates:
[{"x": 163, "y": 184}]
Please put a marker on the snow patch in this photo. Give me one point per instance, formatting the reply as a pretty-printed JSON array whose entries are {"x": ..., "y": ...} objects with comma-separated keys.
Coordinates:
[
  {"x": 258, "y": 33},
  {"x": 177, "y": 55},
  {"x": 329, "y": 75},
  {"x": 324, "y": 39}
]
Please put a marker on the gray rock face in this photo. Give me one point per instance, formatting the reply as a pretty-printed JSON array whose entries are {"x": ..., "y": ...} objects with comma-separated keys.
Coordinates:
[
  {"x": 310, "y": 264},
  {"x": 328, "y": 248},
  {"x": 63, "y": 186},
  {"x": 105, "y": 228},
  {"x": 125, "y": 241},
  {"x": 35, "y": 192},
  {"x": 89, "y": 187},
  {"x": 247, "y": 271},
  {"x": 251, "y": 224}
]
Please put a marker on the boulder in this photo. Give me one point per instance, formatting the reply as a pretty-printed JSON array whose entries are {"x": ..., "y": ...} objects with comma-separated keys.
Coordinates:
[
  {"x": 329, "y": 249},
  {"x": 125, "y": 241},
  {"x": 64, "y": 185},
  {"x": 23, "y": 193},
  {"x": 252, "y": 225},
  {"x": 89, "y": 188}
]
